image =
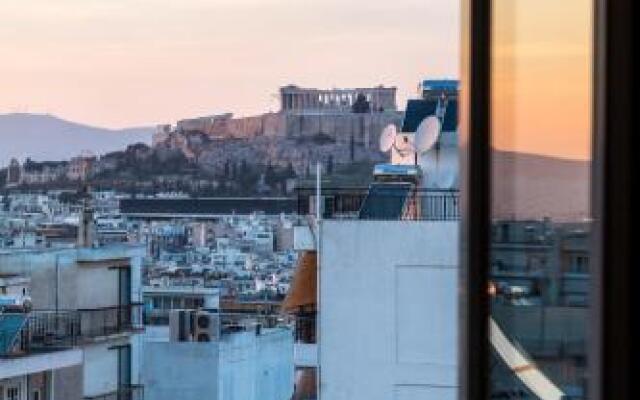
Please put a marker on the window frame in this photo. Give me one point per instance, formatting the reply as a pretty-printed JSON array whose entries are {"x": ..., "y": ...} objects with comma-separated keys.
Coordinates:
[
  {"x": 610, "y": 309},
  {"x": 611, "y": 270}
]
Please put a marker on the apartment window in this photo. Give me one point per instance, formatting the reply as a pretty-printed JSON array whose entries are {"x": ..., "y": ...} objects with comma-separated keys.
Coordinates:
[
  {"x": 579, "y": 264},
  {"x": 13, "y": 393},
  {"x": 546, "y": 129}
]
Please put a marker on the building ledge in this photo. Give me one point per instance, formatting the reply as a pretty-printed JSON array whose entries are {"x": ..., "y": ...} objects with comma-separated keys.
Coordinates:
[{"x": 35, "y": 363}]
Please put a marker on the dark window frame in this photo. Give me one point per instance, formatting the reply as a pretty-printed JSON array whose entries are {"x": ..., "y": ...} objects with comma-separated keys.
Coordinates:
[
  {"x": 612, "y": 277},
  {"x": 474, "y": 200}
]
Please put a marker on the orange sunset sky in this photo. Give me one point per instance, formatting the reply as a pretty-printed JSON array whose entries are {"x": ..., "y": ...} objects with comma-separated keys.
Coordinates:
[
  {"x": 542, "y": 76},
  {"x": 120, "y": 63}
]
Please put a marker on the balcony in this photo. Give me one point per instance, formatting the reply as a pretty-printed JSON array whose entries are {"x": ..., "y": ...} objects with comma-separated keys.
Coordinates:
[
  {"x": 383, "y": 202},
  {"x": 38, "y": 332},
  {"x": 38, "y": 341},
  {"x": 42, "y": 331},
  {"x": 105, "y": 321},
  {"x": 125, "y": 392}
]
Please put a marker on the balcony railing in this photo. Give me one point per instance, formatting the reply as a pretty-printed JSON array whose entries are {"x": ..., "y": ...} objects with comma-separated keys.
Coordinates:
[
  {"x": 383, "y": 202},
  {"x": 38, "y": 332},
  {"x": 126, "y": 392},
  {"x": 49, "y": 330},
  {"x": 104, "y": 321}
]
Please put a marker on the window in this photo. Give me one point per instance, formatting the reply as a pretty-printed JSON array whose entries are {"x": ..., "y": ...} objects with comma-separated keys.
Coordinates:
[
  {"x": 547, "y": 88},
  {"x": 540, "y": 160},
  {"x": 13, "y": 393}
]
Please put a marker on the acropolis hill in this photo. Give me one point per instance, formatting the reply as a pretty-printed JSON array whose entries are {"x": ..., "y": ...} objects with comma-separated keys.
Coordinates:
[{"x": 312, "y": 125}]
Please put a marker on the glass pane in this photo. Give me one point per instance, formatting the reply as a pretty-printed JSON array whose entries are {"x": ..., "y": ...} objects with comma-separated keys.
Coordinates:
[{"x": 541, "y": 155}]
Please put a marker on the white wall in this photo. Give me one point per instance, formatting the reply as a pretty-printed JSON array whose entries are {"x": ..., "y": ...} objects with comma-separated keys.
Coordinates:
[
  {"x": 257, "y": 367},
  {"x": 100, "y": 369},
  {"x": 388, "y": 310},
  {"x": 242, "y": 366},
  {"x": 186, "y": 371},
  {"x": 97, "y": 287}
]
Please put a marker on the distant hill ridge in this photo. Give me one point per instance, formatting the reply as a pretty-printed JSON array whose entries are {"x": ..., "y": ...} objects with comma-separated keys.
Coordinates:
[
  {"x": 47, "y": 137},
  {"x": 525, "y": 185},
  {"x": 533, "y": 186}
]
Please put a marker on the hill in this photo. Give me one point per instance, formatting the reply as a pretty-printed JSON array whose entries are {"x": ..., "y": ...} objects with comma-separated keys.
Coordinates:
[
  {"x": 536, "y": 186},
  {"x": 46, "y": 137}
]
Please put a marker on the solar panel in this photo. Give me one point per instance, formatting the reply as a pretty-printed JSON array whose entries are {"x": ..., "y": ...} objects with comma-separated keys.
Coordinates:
[
  {"x": 10, "y": 326},
  {"x": 417, "y": 110},
  {"x": 385, "y": 201}
]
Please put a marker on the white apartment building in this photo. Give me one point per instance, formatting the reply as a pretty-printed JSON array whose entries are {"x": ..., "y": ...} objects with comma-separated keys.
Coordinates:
[
  {"x": 375, "y": 295},
  {"x": 84, "y": 321},
  {"x": 388, "y": 310}
]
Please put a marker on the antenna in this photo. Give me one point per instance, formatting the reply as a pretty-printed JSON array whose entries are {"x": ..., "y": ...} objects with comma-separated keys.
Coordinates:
[
  {"x": 427, "y": 134},
  {"x": 388, "y": 138}
]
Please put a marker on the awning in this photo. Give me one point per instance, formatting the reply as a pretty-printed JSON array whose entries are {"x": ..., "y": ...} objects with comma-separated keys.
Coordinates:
[{"x": 302, "y": 292}]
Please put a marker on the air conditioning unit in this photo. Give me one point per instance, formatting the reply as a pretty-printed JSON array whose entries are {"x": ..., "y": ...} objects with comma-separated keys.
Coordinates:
[
  {"x": 181, "y": 325},
  {"x": 207, "y": 326}
]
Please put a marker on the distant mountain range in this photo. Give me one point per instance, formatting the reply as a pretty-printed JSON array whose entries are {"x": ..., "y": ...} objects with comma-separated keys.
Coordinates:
[
  {"x": 533, "y": 186},
  {"x": 46, "y": 137}
]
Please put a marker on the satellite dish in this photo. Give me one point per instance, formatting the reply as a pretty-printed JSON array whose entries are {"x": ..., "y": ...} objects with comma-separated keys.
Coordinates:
[
  {"x": 427, "y": 134},
  {"x": 388, "y": 138}
]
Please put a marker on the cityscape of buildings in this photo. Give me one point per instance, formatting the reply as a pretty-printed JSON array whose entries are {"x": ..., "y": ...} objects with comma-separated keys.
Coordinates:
[{"x": 320, "y": 291}]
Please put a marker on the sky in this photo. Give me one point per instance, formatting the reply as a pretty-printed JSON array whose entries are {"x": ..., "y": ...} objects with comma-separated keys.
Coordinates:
[
  {"x": 542, "y": 77},
  {"x": 123, "y": 63}
]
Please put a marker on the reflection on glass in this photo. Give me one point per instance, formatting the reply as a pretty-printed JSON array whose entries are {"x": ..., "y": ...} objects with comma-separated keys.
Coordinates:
[{"x": 541, "y": 145}]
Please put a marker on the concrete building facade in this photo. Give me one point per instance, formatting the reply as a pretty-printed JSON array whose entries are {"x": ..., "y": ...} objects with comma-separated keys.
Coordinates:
[
  {"x": 93, "y": 296},
  {"x": 242, "y": 365},
  {"x": 388, "y": 310}
]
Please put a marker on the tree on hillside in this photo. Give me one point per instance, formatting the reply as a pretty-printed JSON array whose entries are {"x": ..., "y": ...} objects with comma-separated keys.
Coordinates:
[{"x": 270, "y": 177}]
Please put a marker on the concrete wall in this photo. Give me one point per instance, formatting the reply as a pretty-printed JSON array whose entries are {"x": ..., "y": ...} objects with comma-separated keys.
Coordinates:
[
  {"x": 388, "y": 310},
  {"x": 194, "y": 379},
  {"x": 97, "y": 287},
  {"x": 56, "y": 271},
  {"x": 100, "y": 373},
  {"x": 48, "y": 270},
  {"x": 243, "y": 366},
  {"x": 67, "y": 383},
  {"x": 257, "y": 367}
]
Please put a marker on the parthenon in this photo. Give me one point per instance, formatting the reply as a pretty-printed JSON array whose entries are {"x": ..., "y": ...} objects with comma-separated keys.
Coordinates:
[{"x": 297, "y": 99}]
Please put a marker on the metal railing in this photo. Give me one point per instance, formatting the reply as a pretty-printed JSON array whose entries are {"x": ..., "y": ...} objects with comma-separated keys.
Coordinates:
[
  {"x": 49, "y": 330},
  {"x": 363, "y": 203},
  {"x": 40, "y": 332},
  {"x": 125, "y": 392},
  {"x": 104, "y": 321}
]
